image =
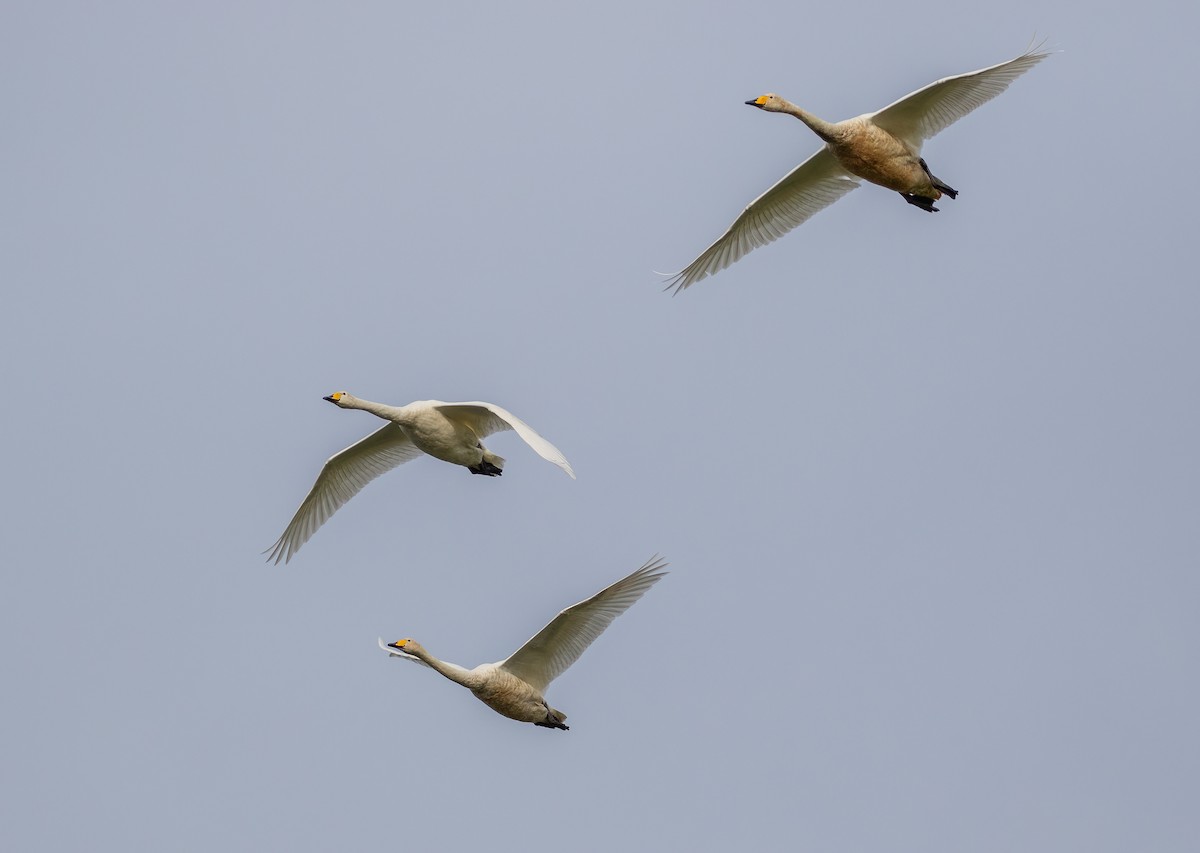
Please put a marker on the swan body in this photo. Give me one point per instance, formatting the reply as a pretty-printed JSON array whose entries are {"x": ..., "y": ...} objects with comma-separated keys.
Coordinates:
[
  {"x": 516, "y": 686},
  {"x": 882, "y": 147},
  {"x": 452, "y": 432}
]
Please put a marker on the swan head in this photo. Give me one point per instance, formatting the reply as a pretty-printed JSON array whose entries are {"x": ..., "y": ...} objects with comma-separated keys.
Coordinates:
[
  {"x": 339, "y": 398},
  {"x": 408, "y": 646},
  {"x": 770, "y": 102}
]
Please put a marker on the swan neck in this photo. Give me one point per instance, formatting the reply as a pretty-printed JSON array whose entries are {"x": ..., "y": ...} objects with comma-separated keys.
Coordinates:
[
  {"x": 388, "y": 413},
  {"x": 824, "y": 129},
  {"x": 457, "y": 674}
]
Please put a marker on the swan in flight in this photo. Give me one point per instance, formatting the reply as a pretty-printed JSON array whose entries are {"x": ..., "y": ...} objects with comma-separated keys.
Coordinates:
[
  {"x": 883, "y": 147},
  {"x": 452, "y": 432},
  {"x": 515, "y": 687}
]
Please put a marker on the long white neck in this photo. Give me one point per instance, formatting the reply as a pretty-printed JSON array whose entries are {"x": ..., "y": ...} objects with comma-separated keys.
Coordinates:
[
  {"x": 457, "y": 674},
  {"x": 381, "y": 410},
  {"x": 824, "y": 129}
]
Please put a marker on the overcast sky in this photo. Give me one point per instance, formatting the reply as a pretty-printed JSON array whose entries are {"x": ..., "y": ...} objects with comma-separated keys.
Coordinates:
[{"x": 928, "y": 484}]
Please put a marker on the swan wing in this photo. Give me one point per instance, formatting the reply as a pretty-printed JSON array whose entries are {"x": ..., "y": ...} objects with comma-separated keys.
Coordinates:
[
  {"x": 487, "y": 418},
  {"x": 812, "y": 186},
  {"x": 343, "y": 476},
  {"x": 559, "y": 644},
  {"x": 926, "y": 112}
]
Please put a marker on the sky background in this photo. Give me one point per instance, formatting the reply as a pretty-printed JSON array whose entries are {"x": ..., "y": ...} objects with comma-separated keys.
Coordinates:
[{"x": 928, "y": 485}]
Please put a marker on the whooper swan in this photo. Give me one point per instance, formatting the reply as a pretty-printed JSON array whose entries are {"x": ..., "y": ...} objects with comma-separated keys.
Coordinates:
[
  {"x": 883, "y": 147},
  {"x": 515, "y": 686},
  {"x": 452, "y": 432}
]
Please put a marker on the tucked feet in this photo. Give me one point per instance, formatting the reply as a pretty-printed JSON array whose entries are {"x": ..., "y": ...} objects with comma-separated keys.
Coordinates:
[
  {"x": 938, "y": 183},
  {"x": 920, "y": 201},
  {"x": 485, "y": 468}
]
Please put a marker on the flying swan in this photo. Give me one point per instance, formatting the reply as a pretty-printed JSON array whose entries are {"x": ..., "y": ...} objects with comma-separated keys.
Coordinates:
[
  {"x": 452, "y": 432},
  {"x": 515, "y": 687},
  {"x": 883, "y": 147}
]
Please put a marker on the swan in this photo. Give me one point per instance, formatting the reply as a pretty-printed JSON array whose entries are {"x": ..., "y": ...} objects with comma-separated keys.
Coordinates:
[
  {"x": 515, "y": 686},
  {"x": 452, "y": 432},
  {"x": 882, "y": 147}
]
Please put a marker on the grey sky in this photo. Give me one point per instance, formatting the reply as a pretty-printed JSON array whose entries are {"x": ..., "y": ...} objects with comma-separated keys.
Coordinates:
[{"x": 927, "y": 484}]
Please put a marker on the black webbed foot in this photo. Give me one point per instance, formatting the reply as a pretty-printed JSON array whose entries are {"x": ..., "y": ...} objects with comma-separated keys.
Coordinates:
[
  {"x": 938, "y": 183},
  {"x": 920, "y": 201},
  {"x": 485, "y": 468}
]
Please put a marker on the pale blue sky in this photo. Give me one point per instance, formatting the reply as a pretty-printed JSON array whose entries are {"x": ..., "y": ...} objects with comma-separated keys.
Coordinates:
[{"x": 927, "y": 484}]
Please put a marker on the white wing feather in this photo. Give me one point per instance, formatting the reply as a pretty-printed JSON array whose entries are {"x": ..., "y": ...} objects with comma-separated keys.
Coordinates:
[
  {"x": 487, "y": 418},
  {"x": 343, "y": 476},
  {"x": 820, "y": 181},
  {"x": 928, "y": 111},
  {"x": 554, "y": 648},
  {"x": 812, "y": 186}
]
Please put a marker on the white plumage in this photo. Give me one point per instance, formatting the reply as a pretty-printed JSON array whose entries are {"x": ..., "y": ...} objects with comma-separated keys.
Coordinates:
[
  {"x": 452, "y": 432},
  {"x": 515, "y": 687}
]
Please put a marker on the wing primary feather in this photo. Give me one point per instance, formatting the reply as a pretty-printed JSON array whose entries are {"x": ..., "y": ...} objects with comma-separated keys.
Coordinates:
[
  {"x": 806, "y": 190},
  {"x": 549, "y": 652},
  {"x": 931, "y": 109},
  {"x": 342, "y": 477},
  {"x": 487, "y": 418}
]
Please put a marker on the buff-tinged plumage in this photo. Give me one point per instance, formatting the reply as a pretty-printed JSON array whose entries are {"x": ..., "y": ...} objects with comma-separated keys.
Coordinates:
[
  {"x": 882, "y": 147},
  {"x": 516, "y": 686}
]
